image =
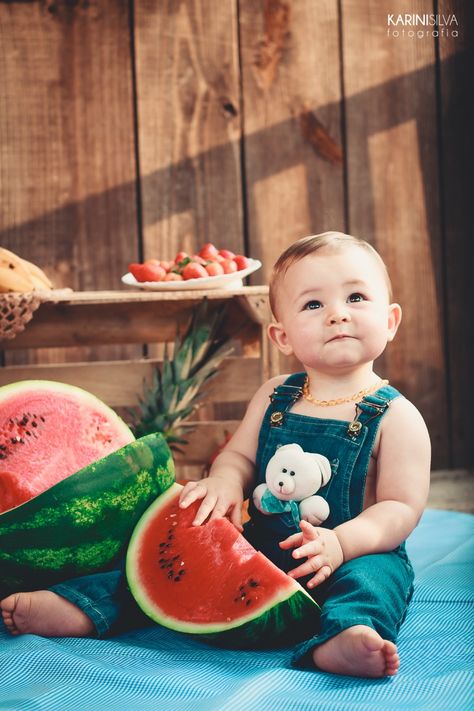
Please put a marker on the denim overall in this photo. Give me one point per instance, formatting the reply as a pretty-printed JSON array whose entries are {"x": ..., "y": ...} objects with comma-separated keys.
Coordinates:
[{"x": 372, "y": 590}]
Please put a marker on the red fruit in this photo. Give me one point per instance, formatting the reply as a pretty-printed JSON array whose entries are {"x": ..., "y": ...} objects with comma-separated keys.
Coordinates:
[
  {"x": 172, "y": 276},
  {"x": 226, "y": 253},
  {"x": 194, "y": 271},
  {"x": 229, "y": 266},
  {"x": 156, "y": 262},
  {"x": 214, "y": 269},
  {"x": 208, "y": 251},
  {"x": 137, "y": 271},
  {"x": 199, "y": 260},
  {"x": 241, "y": 261},
  {"x": 152, "y": 272},
  {"x": 180, "y": 257}
]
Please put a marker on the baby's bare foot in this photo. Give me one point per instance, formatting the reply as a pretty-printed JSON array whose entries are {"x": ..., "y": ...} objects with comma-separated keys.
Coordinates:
[
  {"x": 44, "y": 613},
  {"x": 358, "y": 651}
]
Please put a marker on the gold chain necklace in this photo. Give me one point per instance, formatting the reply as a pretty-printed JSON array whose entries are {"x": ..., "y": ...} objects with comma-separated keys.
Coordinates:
[{"x": 338, "y": 401}]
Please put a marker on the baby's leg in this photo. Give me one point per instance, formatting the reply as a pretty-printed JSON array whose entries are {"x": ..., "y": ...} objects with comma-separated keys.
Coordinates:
[
  {"x": 44, "y": 613},
  {"x": 79, "y": 607},
  {"x": 358, "y": 651},
  {"x": 363, "y": 605}
]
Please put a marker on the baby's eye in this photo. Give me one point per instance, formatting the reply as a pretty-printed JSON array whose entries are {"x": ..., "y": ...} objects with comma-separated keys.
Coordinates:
[
  {"x": 354, "y": 298},
  {"x": 292, "y": 473},
  {"x": 312, "y": 305}
]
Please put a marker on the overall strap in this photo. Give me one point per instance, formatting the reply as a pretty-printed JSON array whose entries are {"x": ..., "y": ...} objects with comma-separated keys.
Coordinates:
[
  {"x": 372, "y": 407},
  {"x": 284, "y": 396}
]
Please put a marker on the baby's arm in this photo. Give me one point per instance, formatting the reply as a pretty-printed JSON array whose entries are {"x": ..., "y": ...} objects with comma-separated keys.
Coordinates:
[
  {"x": 403, "y": 472},
  {"x": 403, "y": 476},
  {"x": 232, "y": 472}
]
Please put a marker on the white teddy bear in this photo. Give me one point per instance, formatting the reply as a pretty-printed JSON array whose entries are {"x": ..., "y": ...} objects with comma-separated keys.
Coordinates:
[{"x": 292, "y": 478}]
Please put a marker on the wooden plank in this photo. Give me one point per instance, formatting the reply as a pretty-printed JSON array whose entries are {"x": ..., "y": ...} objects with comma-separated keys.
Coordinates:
[
  {"x": 291, "y": 91},
  {"x": 67, "y": 141},
  {"x": 457, "y": 154},
  {"x": 394, "y": 192},
  {"x": 203, "y": 442},
  {"x": 189, "y": 125},
  {"x": 120, "y": 383},
  {"x": 149, "y": 319}
]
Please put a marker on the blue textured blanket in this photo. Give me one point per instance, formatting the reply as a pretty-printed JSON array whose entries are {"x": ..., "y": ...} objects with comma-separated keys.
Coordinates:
[{"x": 159, "y": 670}]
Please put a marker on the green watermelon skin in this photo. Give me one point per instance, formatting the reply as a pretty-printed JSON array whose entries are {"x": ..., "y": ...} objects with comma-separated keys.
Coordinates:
[
  {"x": 284, "y": 625},
  {"x": 82, "y": 524},
  {"x": 282, "y": 613}
]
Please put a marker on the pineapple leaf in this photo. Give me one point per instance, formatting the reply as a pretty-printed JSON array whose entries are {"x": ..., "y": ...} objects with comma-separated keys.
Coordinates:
[{"x": 176, "y": 388}]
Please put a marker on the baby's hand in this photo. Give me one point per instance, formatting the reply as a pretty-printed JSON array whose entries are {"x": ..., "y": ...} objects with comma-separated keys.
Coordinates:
[
  {"x": 322, "y": 549},
  {"x": 220, "y": 498}
]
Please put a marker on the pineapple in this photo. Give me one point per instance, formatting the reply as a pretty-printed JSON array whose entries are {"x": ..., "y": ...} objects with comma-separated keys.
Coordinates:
[{"x": 176, "y": 388}]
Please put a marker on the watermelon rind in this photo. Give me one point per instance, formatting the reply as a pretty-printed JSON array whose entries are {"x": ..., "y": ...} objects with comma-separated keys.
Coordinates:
[
  {"x": 82, "y": 524},
  {"x": 283, "y": 620},
  {"x": 80, "y": 395}
]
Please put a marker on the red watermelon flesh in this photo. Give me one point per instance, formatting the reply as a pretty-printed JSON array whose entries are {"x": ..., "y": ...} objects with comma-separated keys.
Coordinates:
[
  {"x": 209, "y": 580},
  {"x": 48, "y": 431}
]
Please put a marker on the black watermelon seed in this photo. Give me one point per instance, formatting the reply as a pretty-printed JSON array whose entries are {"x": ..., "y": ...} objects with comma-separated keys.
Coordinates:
[
  {"x": 253, "y": 584},
  {"x": 170, "y": 574},
  {"x": 247, "y": 602},
  {"x": 177, "y": 579}
]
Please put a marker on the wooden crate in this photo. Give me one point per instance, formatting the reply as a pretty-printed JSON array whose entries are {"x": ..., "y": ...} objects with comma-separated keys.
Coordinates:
[{"x": 113, "y": 317}]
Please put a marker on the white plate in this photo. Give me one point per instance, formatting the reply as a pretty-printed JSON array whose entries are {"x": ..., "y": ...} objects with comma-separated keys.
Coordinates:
[{"x": 222, "y": 281}]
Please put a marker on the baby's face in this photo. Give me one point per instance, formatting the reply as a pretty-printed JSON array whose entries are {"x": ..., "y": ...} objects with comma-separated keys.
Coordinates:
[{"x": 334, "y": 309}]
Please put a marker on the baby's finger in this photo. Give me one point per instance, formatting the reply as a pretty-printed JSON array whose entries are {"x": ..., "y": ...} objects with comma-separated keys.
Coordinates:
[
  {"x": 205, "y": 509},
  {"x": 192, "y": 491},
  {"x": 236, "y": 517},
  {"x": 220, "y": 509},
  {"x": 294, "y": 540},
  {"x": 311, "y": 548},
  {"x": 309, "y": 531},
  {"x": 312, "y": 565},
  {"x": 322, "y": 575}
]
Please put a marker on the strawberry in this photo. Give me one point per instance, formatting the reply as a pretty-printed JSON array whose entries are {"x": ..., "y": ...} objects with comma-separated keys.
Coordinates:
[
  {"x": 241, "y": 261},
  {"x": 152, "y": 272},
  {"x": 180, "y": 257},
  {"x": 214, "y": 269},
  {"x": 226, "y": 253},
  {"x": 194, "y": 271},
  {"x": 172, "y": 276},
  {"x": 229, "y": 266},
  {"x": 208, "y": 251}
]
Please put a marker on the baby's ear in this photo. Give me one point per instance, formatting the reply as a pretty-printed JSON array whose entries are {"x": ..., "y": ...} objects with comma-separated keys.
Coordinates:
[
  {"x": 394, "y": 319},
  {"x": 277, "y": 335}
]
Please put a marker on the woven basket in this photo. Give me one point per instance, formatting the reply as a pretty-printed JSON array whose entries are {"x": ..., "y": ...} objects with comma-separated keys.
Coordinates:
[{"x": 15, "y": 312}]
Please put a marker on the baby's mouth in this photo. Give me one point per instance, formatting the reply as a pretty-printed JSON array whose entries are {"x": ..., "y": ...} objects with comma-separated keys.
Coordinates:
[{"x": 339, "y": 337}]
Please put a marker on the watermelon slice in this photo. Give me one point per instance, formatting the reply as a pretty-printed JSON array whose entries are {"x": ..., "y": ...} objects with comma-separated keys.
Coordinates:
[
  {"x": 209, "y": 581},
  {"x": 49, "y": 430}
]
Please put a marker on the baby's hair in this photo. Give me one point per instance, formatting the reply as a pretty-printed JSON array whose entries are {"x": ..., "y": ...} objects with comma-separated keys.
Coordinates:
[{"x": 334, "y": 241}]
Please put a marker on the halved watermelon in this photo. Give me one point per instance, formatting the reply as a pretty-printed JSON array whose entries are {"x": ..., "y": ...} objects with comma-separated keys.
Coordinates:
[
  {"x": 49, "y": 430},
  {"x": 209, "y": 581},
  {"x": 82, "y": 524}
]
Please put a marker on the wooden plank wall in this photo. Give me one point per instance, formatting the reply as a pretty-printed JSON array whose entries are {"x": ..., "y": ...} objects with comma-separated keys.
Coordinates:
[{"x": 131, "y": 128}]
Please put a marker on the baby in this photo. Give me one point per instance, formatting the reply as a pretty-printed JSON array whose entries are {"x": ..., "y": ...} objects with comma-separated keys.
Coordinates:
[{"x": 331, "y": 298}]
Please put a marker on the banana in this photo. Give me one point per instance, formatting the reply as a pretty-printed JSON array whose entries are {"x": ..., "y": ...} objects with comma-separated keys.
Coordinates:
[
  {"x": 37, "y": 276},
  {"x": 12, "y": 280},
  {"x": 17, "y": 274},
  {"x": 10, "y": 260}
]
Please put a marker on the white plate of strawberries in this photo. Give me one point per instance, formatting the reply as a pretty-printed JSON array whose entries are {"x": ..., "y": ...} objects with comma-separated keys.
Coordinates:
[{"x": 210, "y": 268}]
